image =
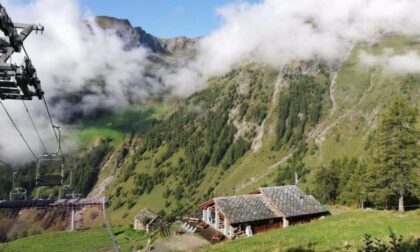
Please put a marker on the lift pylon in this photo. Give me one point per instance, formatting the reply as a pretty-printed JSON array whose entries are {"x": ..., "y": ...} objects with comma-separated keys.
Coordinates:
[{"x": 17, "y": 82}]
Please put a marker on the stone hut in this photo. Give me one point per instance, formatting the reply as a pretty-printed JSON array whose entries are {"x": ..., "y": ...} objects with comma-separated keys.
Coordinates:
[
  {"x": 145, "y": 220},
  {"x": 261, "y": 210}
]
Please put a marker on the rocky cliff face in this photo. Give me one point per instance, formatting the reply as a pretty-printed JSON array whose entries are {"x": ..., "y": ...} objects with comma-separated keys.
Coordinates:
[
  {"x": 137, "y": 36},
  {"x": 178, "y": 44}
]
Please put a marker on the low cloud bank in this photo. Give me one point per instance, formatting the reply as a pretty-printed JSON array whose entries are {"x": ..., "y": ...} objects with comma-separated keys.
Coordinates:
[
  {"x": 406, "y": 63},
  {"x": 277, "y": 32},
  {"x": 74, "y": 57}
]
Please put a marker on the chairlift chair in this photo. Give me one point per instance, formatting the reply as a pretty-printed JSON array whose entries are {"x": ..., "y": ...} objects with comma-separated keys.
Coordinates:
[
  {"x": 50, "y": 170},
  {"x": 68, "y": 191},
  {"x": 18, "y": 193}
]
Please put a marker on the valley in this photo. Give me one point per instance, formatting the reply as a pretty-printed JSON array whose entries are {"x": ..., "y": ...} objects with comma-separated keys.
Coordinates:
[{"x": 168, "y": 131}]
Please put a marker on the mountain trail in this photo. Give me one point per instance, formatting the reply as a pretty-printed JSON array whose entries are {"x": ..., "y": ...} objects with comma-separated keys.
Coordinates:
[
  {"x": 320, "y": 137},
  {"x": 258, "y": 177}
]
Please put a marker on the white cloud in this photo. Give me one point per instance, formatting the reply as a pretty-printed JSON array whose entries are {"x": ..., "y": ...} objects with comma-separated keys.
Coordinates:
[
  {"x": 69, "y": 55},
  {"x": 405, "y": 63},
  {"x": 277, "y": 32},
  {"x": 72, "y": 52}
]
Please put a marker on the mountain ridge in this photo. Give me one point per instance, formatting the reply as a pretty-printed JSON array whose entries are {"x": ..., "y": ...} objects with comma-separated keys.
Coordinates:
[{"x": 137, "y": 36}]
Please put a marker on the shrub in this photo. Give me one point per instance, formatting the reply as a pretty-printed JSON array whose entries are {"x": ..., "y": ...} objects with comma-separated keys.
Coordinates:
[{"x": 396, "y": 244}]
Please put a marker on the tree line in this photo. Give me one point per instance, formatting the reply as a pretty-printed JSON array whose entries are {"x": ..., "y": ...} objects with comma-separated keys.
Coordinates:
[{"x": 386, "y": 177}]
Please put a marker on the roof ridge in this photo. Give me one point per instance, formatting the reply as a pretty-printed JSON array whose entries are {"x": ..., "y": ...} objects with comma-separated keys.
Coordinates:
[
  {"x": 237, "y": 196},
  {"x": 268, "y": 187}
]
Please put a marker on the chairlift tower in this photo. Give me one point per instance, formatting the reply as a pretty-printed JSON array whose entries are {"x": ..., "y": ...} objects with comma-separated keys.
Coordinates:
[
  {"x": 17, "y": 82},
  {"x": 17, "y": 193}
]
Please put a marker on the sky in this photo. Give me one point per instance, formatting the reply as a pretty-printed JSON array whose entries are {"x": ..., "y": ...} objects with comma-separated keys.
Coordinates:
[{"x": 164, "y": 18}]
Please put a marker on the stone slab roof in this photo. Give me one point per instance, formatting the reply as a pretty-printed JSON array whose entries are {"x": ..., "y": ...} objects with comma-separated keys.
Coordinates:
[
  {"x": 146, "y": 213},
  {"x": 292, "y": 201},
  {"x": 245, "y": 208}
]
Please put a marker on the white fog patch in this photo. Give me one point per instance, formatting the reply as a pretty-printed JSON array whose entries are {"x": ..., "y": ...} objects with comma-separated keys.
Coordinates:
[
  {"x": 405, "y": 63},
  {"x": 72, "y": 52},
  {"x": 276, "y": 32},
  {"x": 71, "y": 56}
]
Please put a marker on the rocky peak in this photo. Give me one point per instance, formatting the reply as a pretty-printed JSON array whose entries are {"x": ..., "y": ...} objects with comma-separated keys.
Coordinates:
[
  {"x": 137, "y": 36},
  {"x": 177, "y": 44},
  {"x": 150, "y": 41}
]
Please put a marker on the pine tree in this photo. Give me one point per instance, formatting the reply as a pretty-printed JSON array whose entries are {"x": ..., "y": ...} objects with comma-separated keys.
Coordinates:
[
  {"x": 396, "y": 150},
  {"x": 327, "y": 181},
  {"x": 356, "y": 185}
]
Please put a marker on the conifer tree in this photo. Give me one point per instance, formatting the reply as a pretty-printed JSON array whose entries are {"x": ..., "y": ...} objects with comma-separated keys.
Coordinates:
[
  {"x": 396, "y": 150},
  {"x": 327, "y": 181}
]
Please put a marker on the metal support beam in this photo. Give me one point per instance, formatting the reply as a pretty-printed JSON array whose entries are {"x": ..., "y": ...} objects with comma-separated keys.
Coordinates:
[{"x": 216, "y": 224}]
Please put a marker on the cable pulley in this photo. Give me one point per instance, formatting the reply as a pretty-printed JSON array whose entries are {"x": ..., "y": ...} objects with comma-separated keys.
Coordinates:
[{"x": 17, "y": 82}]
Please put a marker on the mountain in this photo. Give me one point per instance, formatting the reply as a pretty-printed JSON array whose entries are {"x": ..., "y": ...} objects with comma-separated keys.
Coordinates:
[
  {"x": 136, "y": 36},
  {"x": 249, "y": 126},
  {"x": 255, "y": 125}
]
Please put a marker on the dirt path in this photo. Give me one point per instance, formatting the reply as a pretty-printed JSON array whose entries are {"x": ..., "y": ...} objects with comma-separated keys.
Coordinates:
[
  {"x": 185, "y": 242},
  {"x": 261, "y": 175},
  {"x": 320, "y": 134}
]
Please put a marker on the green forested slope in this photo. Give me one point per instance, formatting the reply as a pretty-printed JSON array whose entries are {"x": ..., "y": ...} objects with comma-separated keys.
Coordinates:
[{"x": 241, "y": 132}]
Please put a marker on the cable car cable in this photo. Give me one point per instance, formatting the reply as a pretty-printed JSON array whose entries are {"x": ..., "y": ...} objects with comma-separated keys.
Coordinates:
[
  {"x": 33, "y": 124},
  {"x": 48, "y": 111},
  {"x": 49, "y": 180},
  {"x": 54, "y": 127},
  {"x": 17, "y": 129},
  {"x": 5, "y": 164},
  {"x": 49, "y": 116}
]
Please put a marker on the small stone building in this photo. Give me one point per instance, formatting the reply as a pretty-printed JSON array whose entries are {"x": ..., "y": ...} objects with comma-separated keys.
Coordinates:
[
  {"x": 145, "y": 220},
  {"x": 263, "y": 209}
]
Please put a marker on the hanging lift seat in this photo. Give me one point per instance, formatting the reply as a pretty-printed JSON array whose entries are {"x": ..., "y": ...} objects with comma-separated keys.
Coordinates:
[
  {"x": 50, "y": 170},
  {"x": 50, "y": 180}
]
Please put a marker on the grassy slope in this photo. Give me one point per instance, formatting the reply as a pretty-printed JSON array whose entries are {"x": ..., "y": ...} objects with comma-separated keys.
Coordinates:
[
  {"x": 240, "y": 172},
  {"x": 329, "y": 234},
  {"x": 87, "y": 240},
  {"x": 62, "y": 241},
  {"x": 116, "y": 126},
  {"x": 359, "y": 94}
]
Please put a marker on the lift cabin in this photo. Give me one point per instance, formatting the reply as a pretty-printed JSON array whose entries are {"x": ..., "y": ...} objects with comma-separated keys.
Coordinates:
[
  {"x": 50, "y": 170},
  {"x": 17, "y": 82}
]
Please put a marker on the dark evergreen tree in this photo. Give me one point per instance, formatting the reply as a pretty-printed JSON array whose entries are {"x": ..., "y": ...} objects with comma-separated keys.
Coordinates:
[
  {"x": 396, "y": 151},
  {"x": 326, "y": 187},
  {"x": 355, "y": 187}
]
